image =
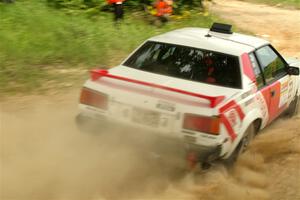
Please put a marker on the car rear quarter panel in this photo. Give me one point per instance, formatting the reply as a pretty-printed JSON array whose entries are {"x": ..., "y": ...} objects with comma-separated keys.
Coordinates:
[{"x": 253, "y": 107}]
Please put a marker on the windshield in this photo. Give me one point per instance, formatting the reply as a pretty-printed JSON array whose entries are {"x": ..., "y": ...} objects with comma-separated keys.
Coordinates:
[{"x": 187, "y": 63}]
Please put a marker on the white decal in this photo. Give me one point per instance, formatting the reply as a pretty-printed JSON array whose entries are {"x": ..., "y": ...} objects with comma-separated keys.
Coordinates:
[
  {"x": 283, "y": 93},
  {"x": 263, "y": 106}
]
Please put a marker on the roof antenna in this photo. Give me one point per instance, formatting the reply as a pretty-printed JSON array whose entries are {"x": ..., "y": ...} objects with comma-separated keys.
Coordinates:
[{"x": 208, "y": 35}]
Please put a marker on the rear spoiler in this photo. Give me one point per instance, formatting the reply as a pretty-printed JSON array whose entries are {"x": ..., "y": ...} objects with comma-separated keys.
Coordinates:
[{"x": 98, "y": 73}]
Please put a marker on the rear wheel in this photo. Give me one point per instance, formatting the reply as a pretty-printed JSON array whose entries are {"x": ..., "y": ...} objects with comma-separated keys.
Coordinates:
[{"x": 242, "y": 146}]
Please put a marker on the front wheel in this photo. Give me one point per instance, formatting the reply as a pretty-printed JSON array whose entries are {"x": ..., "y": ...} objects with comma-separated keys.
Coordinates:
[
  {"x": 293, "y": 107},
  {"x": 242, "y": 146}
]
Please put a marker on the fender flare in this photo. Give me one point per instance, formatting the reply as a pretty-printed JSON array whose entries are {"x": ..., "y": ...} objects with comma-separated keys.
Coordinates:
[{"x": 247, "y": 121}]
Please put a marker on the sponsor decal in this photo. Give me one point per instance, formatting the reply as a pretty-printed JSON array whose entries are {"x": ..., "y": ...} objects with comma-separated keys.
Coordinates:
[
  {"x": 262, "y": 105},
  {"x": 247, "y": 103},
  {"x": 246, "y": 94},
  {"x": 283, "y": 93}
]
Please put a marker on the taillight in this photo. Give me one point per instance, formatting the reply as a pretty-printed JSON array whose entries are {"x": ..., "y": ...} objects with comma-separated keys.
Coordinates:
[
  {"x": 209, "y": 125},
  {"x": 93, "y": 98}
]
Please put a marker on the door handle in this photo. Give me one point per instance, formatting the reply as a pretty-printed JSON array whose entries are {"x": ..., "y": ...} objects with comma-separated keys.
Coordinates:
[{"x": 273, "y": 93}]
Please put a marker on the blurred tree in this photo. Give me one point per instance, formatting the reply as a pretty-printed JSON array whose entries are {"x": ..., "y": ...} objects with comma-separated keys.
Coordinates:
[{"x": 7, "y": 1}]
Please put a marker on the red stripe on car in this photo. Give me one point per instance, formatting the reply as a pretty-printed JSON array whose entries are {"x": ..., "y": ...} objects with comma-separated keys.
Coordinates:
[
  {"x": 247, "y": 67},
  {"x": 230, "y": 105},
  {"x": 233, "y": 105},
  {"x": 272, "y": 95},
  {"x": 228, "y": 127}
]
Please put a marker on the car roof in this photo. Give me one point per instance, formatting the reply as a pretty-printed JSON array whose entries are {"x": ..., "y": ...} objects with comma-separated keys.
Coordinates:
[{"x": 233, "y": 44}]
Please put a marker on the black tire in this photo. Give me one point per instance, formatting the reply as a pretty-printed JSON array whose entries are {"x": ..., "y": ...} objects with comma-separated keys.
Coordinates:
[
  {"x": 242, "y": 146},
  {"x": 293, "y": 107}
]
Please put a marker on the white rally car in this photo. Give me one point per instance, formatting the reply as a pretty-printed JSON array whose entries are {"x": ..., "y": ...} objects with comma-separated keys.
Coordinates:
[{"x": 209, "y": 89}]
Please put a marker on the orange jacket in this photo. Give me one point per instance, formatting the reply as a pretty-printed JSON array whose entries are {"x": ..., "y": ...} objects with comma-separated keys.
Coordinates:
[
  {"x": 114, "y": 1},
  {"x": 163, "y": 8}
]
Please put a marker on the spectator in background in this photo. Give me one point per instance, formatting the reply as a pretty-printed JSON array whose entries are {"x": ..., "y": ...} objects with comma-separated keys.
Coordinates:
[
  {"x": 118, "y": 9},
  {"x": 163, "y": 10}
]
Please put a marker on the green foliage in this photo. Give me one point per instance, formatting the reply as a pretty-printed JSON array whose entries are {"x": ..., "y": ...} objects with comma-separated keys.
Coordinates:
[
  {"x": 36, "y": 39},
  {"x": 76, "y": 4},
  {"x": 130, "y": 4}
]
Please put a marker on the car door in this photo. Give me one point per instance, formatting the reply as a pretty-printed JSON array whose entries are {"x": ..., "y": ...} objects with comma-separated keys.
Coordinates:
[{"x": 276, "y": 80}]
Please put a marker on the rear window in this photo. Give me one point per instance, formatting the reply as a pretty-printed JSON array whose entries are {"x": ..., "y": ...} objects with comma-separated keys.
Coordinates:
[{"x": 187, "y": 63}]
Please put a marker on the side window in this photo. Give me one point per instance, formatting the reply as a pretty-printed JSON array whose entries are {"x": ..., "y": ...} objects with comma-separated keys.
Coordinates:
[
  {"x": 272, "y": 65},
  {"x": 257, "y": 71}
]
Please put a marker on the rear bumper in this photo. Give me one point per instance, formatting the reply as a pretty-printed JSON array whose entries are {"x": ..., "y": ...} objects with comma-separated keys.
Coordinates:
[
  {"x": 88, "y": 123},
  {"x": 162, "y": 144}
]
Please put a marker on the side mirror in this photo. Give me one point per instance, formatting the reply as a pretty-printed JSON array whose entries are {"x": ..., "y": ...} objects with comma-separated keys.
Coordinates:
[{"x": 293, "y": 71}]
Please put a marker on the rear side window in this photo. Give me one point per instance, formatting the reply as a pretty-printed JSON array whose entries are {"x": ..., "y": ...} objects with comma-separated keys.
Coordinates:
[
  {"x": 187, "y": 63},
  {"x": 272, "y": 65}
]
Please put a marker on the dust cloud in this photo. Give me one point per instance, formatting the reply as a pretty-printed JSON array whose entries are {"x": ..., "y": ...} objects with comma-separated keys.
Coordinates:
[{"x": 44, "y": 156}]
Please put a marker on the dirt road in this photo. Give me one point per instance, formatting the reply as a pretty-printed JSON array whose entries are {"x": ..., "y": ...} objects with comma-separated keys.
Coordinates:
[
  {"x": 44, "y": 156},
  {"x": 278, "y": 25}
]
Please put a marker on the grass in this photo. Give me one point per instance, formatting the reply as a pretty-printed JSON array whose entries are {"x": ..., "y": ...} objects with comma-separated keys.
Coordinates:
[
  {"x": 37, "y": 40},
  {"x": 284, "y": 3}
]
